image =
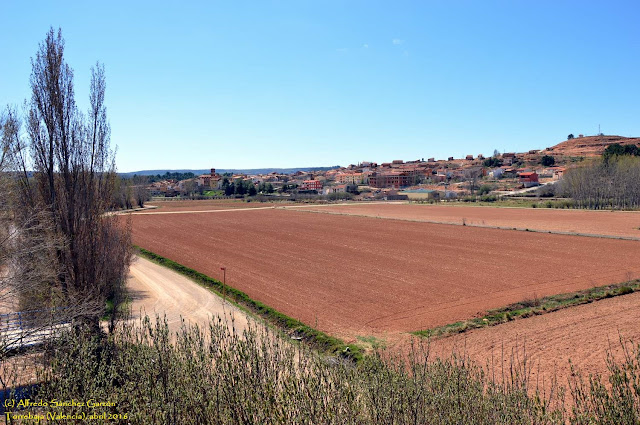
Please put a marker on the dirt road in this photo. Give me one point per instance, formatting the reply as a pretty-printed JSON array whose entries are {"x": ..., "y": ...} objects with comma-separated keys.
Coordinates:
[{"x": 158, "y": 290}]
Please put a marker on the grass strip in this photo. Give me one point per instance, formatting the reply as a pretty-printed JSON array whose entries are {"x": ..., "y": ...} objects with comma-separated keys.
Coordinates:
[
  {"x": 295, "y": 328},
  {"x": 533, "y": 307}
]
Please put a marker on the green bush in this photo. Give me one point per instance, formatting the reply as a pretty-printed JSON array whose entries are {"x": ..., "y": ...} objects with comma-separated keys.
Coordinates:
[
  {"x": 547, "y": 161},
  {"x": 624, "y": 290},
  {"x": 484, "y": 189},
  {"x": 488, "y": 198}
]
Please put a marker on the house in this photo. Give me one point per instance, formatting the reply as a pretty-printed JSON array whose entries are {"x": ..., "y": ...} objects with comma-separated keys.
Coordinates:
[
  {"x": 311, "y": 185},
  {"x": 469, "y": 158},
  {"x": 353, "y": 178},
  {"x": 508, "y": 172},
  {"x": 509, "y": 158},
  {"x": 558, "y": 172},
  {"x": 421, "y": 194},
  {"x": 394, "y": 195},
  {"x": 394, "y": 179},
  {"x": 529, "y": 179},
  {"x": 209, "y": 181},
  {"x": 341, "y": 188}
]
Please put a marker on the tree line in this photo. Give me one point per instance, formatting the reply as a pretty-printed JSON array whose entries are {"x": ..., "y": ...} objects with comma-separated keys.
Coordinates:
[
  {"x": 612, "y": 181},
  {"x": 166, "y": 176},
  {"x": 244, "y": 187}
]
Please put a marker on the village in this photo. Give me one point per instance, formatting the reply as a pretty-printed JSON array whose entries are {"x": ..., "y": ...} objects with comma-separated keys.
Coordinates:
[{"x": 419, "y": 179}]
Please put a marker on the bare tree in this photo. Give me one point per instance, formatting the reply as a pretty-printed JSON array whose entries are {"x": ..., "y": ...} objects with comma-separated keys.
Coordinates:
[
  {"x": 141, "y": 194},
  {"x": 27, "y": 258},
  {"x": 471, "y": 175},
  {"x": 74, "y": 181},
  {"x": 614, "y": 183}
]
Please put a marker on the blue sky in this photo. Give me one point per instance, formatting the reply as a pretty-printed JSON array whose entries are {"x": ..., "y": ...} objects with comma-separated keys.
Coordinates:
[{"x": 285, "y": 84}]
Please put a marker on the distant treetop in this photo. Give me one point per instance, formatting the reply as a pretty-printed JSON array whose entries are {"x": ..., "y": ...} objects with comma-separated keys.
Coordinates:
[{"x": 619, "y": 150}]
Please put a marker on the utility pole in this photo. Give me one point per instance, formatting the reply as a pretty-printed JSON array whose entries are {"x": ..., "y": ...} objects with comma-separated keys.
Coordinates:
[{"x": 224, "y": 283}]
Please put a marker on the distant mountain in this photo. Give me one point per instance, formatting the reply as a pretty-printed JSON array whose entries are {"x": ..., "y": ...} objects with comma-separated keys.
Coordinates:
[
  {"x": 590, "y": 145},
  {"x": 232, "y": 171}
]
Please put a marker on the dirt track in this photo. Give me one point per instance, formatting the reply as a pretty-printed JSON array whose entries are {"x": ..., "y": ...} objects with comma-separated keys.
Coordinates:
[
  {"x": 158, "y": 290},
  {"x": 210, "y": 205},
  {"x": 354, "y": 276},
  {"x": 583, "y": 334},
  {"x": 609, "y": 223}
]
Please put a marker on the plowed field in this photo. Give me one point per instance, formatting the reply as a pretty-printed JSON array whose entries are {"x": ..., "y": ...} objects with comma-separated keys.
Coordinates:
[
  {"x": 608, "y": 223},
  {"x": 582, "y": 334},
  {"x": 352, "y": 276}
]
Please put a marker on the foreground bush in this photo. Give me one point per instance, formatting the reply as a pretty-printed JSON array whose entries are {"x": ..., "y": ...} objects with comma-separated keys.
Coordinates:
[{"x": 217, "y": 376}]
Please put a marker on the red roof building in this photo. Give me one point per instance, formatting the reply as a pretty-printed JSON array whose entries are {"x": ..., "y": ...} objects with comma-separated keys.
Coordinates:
[
  {"x": 311, "y": 185},
  {"x": 529, "y": 179}
]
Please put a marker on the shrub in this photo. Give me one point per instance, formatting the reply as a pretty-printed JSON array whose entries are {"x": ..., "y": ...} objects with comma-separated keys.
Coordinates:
[
  {"x": 547, "y": 160},
  {"x": 484, "y": 189},
  {"x": 489, "y": 198},
  {"x": 624, "y": 290},
  {"x": 340, "y": 196}
]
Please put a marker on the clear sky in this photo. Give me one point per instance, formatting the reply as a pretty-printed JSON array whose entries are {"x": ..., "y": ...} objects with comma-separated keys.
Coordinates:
[{"x": 316, "y": 83}]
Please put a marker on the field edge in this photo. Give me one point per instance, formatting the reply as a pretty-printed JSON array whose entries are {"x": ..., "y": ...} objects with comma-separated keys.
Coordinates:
[
  {"x": 533, "y": 307},
  {"x": 293, "y": 327}
]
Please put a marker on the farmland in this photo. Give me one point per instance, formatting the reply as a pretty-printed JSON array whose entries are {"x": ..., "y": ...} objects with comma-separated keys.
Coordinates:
[
  {"x": 607, "y": 223},
  {"x": 354, "y": 276},
  {"x": 582, "y": 334}
]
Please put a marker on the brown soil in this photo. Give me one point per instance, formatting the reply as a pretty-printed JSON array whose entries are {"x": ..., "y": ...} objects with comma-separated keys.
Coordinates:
[
  {"x": 582, "y": 334},
  {"x": 352, "y": 276},
  {"x": 608, "y": 223}
]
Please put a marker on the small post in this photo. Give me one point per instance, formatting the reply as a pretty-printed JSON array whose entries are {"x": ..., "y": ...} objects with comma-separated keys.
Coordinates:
[{"x": 224, "y": 283}]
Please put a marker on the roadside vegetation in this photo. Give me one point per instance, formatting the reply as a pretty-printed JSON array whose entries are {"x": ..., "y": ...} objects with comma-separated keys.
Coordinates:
[
  {"x": 217, "y": 376},
  {"x": 533, "y": 307}
]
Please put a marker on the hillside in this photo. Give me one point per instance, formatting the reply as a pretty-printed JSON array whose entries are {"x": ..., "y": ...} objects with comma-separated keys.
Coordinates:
[{"x": 590, "y": 145}]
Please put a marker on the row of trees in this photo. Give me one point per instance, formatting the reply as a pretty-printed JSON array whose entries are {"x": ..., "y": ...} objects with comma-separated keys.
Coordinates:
[
  {"x": 60, "y": 179},
  {"x": 167, "y": 176},
  {"x": 244, "y": 187},
  {"x": 128, "y": 195},
  {"x": 611, "y": 182}
]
